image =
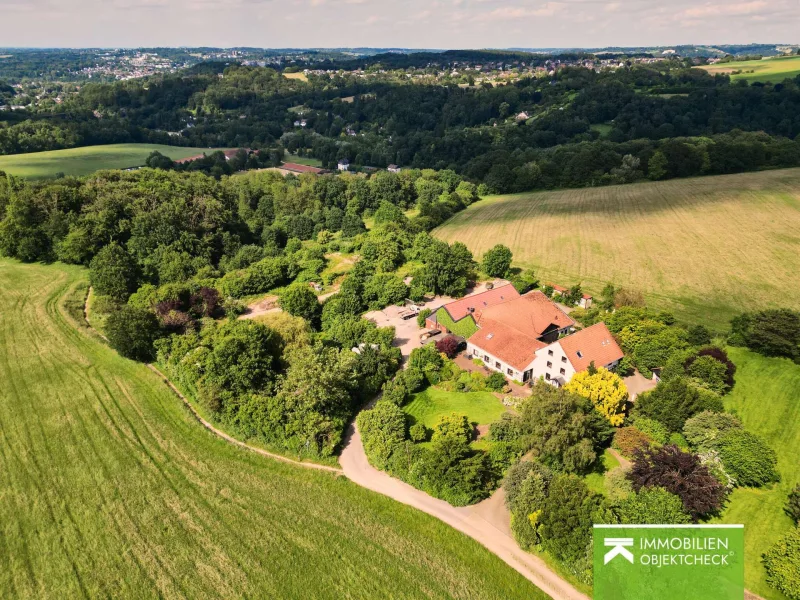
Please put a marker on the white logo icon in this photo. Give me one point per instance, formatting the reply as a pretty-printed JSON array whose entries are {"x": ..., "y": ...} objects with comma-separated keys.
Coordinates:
[{"x": 618, "y": 548}]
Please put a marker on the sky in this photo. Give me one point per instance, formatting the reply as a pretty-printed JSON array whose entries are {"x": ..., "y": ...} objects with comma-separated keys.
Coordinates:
[{"x": 396, "y": 23}]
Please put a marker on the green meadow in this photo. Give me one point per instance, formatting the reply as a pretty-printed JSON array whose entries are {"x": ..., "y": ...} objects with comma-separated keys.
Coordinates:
[
  {"x": 88, "y": 159},
  {"x": 110, "y": 488}
]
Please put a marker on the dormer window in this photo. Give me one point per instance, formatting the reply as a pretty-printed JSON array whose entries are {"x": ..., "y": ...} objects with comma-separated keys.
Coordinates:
[{"x": 580, "y": 354}]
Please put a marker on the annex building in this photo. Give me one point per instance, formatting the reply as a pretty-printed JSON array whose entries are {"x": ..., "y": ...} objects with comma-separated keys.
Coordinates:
[{"x": 526, "y": 337}]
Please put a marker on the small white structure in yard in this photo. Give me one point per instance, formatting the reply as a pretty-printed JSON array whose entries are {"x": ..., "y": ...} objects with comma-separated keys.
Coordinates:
[
  {"x": 585, "y": 301},
  {"x": 393, "y": 169},
  {"x": 344, "y": 165}
]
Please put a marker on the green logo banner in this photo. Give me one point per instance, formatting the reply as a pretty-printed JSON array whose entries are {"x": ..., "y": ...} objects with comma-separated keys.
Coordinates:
[{"x": 668, "y": 562}]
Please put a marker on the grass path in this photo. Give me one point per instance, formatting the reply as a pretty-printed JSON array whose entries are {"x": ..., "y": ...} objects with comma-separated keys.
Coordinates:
[
  {"x": 706, "y": 248},
  {"x": 109, "y": 488}
]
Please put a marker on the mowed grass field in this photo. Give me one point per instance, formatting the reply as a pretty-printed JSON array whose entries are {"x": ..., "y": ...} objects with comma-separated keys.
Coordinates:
[
  {"x": 706, "y": 248},
  {"x": 772, "y": 70},
  {"x": 766, "y": 398},
  {"x": 109, "y": 488},
  {"x": 87, "y": 160}
]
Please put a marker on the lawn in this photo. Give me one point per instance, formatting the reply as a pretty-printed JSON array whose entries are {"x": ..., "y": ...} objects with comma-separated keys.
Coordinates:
[
  {"x": 304, "y": 160},
  {"x": 87, "y": 160},
  {"x": 110, "y": 488},
  {"x": 706, "y": 248},
  {"x": 596, "y": 480},
  {"x": 431, "y": 404},
  {"x": 773, "y": 70},
  {"x": 767, "y": 399}
]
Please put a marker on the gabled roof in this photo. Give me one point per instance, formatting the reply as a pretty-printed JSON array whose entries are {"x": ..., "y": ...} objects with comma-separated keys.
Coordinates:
[
  {"x": 593, "y": 344},
  {"x": 532, "y": 315},
  {"x": 459, "y": 309},
  {"x": 506, "y": 343}
]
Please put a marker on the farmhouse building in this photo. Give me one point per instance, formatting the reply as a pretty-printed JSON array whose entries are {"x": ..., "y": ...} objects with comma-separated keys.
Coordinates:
[
  {"x": 526, "y": 337},
  {"x": 344, "y": 165}
]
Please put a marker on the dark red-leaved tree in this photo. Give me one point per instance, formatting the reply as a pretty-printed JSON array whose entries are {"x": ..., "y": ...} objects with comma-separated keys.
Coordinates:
[
  {"x": 680, "y": 473},
  {"x": 447, "y": 346}
]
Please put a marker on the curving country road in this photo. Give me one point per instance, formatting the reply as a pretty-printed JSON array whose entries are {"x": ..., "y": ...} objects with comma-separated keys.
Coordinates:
[{"x": 487, "y": 522}]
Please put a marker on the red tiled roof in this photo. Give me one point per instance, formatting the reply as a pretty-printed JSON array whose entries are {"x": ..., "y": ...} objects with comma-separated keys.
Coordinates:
[
  {"x": 531, "y": 314},
  {"x": 458, "y": 309},
  {"x": 506, "y": 343},
  {"x": 301, "y": 168},
  {"x": 558, "y": 288},
  {"x": 595, "y": 344},
  {"x": 190, "y": 158},
  {"x": 587, "y": 296}
]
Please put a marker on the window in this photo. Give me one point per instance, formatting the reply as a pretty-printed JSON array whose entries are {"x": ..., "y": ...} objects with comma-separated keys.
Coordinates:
[
  {"x": 580, "y": 354},
  {"x": 510, "y": 372},
  {"x": 547, "y": 376},
  {"x": 549, "y": 353},
  {"x": 563, "y": 371},
  {"x": 486, "y": 357},
  {"x": 497, "y": 365},
  {"x": 563, "y": 359},
  {"x": 549, "y": 365}
]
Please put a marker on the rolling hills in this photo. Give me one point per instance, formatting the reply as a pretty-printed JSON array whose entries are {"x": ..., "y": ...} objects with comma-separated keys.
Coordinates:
[{"x": 706, "y": 248}]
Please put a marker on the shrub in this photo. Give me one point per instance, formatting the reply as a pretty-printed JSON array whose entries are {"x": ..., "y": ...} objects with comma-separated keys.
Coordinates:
[
  {"x": 680, "y": 473},
  {"x": 698, "y": 335},
  {"x": 710, "y": 372},
  {"x": 566, "y": 518},
  {"x": 453, "y": 426},
  {"x": 113, "y": 272},
  {"x": 793, "y": 505},
  {"x": 495, "y": 382},
  {"x": 423, "y": 314},
  {"x": 605, "y": 390},
  {"x": 448, "y": 346},
  {"x": 673, "y": 402},
  {"x": 132, "y": 332},
  {"x": 526, "y": 486},
  {"x": 299, "y": 300},
  {"x": 748, "y": 458},
  {"x": 418, "y": 432},
  {"x": 629, "y": 439},
  {"x": 496, "y": 261},
  {"x": 782, "y": 563},
  {"x": 652, "y": 505},
  {"x": 774, "y": 332},
  {"x": 652, "y": 429},
  {"x": 382, "y": 429},
  {"x": 617, "y": 485},
  {"x": 704, "y": 430}
]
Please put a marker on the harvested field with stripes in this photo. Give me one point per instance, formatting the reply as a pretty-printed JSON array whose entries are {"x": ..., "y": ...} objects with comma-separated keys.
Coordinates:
[
  {"x": 109, "y": 487},
  {"x": 706, "y": 248}
]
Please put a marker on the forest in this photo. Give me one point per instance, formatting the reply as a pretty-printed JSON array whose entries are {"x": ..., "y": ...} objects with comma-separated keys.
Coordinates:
[{"x": 575, "y": 127}]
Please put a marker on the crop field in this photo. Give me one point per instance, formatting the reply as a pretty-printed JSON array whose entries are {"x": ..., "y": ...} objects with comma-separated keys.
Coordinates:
[
  {"x": 772, "y": 70},
  {"x": 87, "y": 160},
  {"x": 109, "y": 488},
  {"x": 706, "y": 248},
  {"x": 766, "y": 398}
]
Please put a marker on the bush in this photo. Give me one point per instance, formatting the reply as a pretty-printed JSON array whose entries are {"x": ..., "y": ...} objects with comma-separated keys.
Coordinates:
[
  {"x": 418, "y": 432},
  {"x": 774, "y": 332},
  {"x": 382, "y": 429},
  {"x": 710, "y": 372},
  {"x": 680, "y": 473},
  {"x": 526, "y": 486},
  {"x": 299, "y": 300},
  {"x": 782, "y": 563},
  {"x": 495, "y": 382},
  {"x": 453, "y": 426},
  {"x": 748, "y": 459},
  {"x": 698, "y": 335},
  {"x": 793, "y": 505},
  {"x": 113, "y": 272},
  {"x": 654, "y": 506},
  {"x": 448, "y": 346},
  {"x": 652, "y": 429},
  {"x": 629, "y": 439},
  {"x": 132, "y": 332},
  {"x": 566, "y": 518},
  {"x": 704, "y": 430},
  {"x": 423, "y": 314},
  {"x": 672, "y": 402},
  {"x": 496, "y": 261},
  {"x": 606, "y": 391}
]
